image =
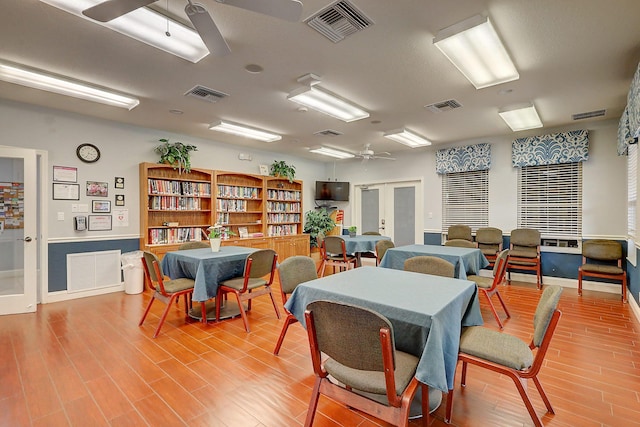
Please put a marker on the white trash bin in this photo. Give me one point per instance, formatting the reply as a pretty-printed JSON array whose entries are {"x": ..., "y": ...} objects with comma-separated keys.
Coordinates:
[{"x": 133, "y": 273}]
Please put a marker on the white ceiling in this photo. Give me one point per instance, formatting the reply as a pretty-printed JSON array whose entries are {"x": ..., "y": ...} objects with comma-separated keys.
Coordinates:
[{"x": 573, "y": 56}]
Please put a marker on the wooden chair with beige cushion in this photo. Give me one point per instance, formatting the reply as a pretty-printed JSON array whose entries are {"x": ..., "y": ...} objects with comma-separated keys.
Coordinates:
[
  {"x": 166, "y": 291},
  {"x": 489, "y": 286},
  {"x": 335, "y": 254},
  {"x": 489, "y": 241},
  {"x": 427, "y": 264},
  {"x": 370, "y": 254},
  {"x": 293, "y": 271},
  {"x": 509, "y": 355},
  {"x": 459, "y": 231},
  {"x": 524, "y": 253},
  {"x": 362, "y": 358},
  {"x": 381, "y": 249},
  {"x": 603, "y": 259},
  {"x": 252, "y": 283}
]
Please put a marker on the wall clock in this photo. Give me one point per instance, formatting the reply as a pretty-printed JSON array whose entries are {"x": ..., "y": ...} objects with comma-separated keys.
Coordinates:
[{"x": 88, "y": 153}]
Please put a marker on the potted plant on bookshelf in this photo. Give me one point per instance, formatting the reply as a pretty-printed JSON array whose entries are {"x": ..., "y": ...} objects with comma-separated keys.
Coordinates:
[
  {"x": 282, "y": 169},
  {"x": 352, "y": 231},
  {"x": 175, "y": 154},
  {"x": 317, "y": 222}
]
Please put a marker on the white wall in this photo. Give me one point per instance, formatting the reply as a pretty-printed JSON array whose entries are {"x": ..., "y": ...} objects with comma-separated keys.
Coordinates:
[
  {"x": 122, "y": 148},
  {"x": 604, "y": 180}
]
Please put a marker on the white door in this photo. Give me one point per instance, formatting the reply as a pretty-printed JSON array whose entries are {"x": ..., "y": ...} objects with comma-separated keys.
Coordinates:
[
  {"x": 395, "y": 209},
  {"x": 18, "y": 246}
]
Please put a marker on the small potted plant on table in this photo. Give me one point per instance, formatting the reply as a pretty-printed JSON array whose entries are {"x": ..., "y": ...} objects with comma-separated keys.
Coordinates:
[
  {"x": 218, "y": 232},
  {"x": 352, "y": 231}
]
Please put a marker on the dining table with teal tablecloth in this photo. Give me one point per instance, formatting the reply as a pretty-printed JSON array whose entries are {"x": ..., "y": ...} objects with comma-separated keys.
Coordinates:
[{"x": 362, "y": 243}]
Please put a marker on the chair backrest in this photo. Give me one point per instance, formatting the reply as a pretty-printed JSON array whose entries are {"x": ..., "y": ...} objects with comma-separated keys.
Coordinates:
[
  {"x": 260, "y": 263},
  {"x": 525, "y": 237},
  {"x": 459, "y": 231},
  {"x": 348, "y": 334},
  {"x": 546, "y": 307},
  {"x": 460, "y": 243},
  {"x": 295, "y": 270},
  {"x": 489, "y": 238},
  {"x": 499, "y": 269},
  {"x": 602, "y": 250},
  {"x": 334, "y": 245},
  {"x": 430, "y": 265},
  {"x": 149, "y": 258},
  {"x": 382, "y": 246},
  {"x": 193, "y": 245},
  {"x": 371, "y": 233}
]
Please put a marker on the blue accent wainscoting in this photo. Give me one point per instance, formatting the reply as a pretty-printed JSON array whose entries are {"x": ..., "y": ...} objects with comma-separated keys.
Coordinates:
[{"x": 58, "y": 256}]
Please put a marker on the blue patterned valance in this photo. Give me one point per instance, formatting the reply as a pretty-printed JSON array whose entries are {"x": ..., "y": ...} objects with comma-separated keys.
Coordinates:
[
  {"x": 464, "y": 159},
  {"x": 553, "y": 149},
  {"x": 624, "y": 134}
]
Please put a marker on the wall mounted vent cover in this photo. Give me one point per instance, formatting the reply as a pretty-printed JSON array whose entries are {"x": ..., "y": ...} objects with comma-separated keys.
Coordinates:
[
  {"x": 339, "y": 20},
  {"x": 442, "y": 106},
  {"x": 206, "y": 94},
  {"x": 327, "y": 132},
  {"x": 588, "y": 115}
]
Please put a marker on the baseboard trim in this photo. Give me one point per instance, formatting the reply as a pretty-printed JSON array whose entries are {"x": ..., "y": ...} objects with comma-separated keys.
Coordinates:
[{"x": 67, "y": 296}]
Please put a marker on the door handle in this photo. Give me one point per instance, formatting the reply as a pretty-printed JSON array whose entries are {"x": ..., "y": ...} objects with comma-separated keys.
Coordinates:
[{"x": 26, "y": 239}]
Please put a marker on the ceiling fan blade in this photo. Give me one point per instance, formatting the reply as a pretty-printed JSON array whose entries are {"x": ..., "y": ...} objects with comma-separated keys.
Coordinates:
[
  {"x": 208, "y": 30},
  {"x": 383, "y": 158},
  {"x": 289, "y": 10},
  {"x": 112, "y": 9}
]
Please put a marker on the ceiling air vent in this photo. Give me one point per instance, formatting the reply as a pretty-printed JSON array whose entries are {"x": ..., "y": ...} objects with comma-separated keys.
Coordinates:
[
  {"x": 339, "y": 20},
  {"x": 206, "y": 94},
  {"x": 327, "y": 132},
  {"x": 440, "y": 107},
  {"x": 588, "y": 115}
]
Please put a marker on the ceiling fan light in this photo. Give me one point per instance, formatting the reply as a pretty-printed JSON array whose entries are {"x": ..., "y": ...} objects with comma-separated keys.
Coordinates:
[
  {"x": 244, "y": 130},
  {"x": 326, "y": 151},
  {"x": 42, "y": 80},
  {"x": 328, "y": 103},
  {"x": 521, "y": 117},
  {"x": 407, "y": 137},
  {"x": 147, "y": 26},
  {"x": 474, "y": 47}
]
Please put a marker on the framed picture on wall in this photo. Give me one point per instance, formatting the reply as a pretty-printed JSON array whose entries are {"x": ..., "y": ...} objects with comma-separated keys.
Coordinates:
[
  {"x": 101, "y": 206},
  {"x": 97, "y": 189},
  {"x": 119, "y": 182},
  {"x": 119, "y": 199},
  {"x": 99, "y": 222},
  {"x": 65, "y": 174},
  {"x": 66, "y": 191}
]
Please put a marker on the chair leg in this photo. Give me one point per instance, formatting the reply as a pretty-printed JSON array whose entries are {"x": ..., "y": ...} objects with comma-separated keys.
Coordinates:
[
  {"x": 624, "y": 288},
  {"x": 323, "y": 266},
  {"x": 504, "y": 306},
  {"x": 447, "y": 417},
  {"x": 273, "y": 301},
  {"x": 492, "y": 307},
  {"x": 539, "y": 276},
  {"x": 521, "y": 385},
  {"x": 543, "y": 395},
  {"x": 579, "y": 281},
  {"x": 426, "y": 416},
  {"x": 463, "y": 377},
  {"x": 288, "y": 321},
  {"x": 164, "y": 315},
  {"x": 146, "y": 311},
  {"x": 313, "y": 403},
  {"x": 243, "y": 313}
]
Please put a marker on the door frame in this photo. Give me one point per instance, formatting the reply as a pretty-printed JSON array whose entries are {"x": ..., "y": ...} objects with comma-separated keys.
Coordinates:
[
  {"x": 42, "y": 224},
  {"x": 388, "y": 186}
]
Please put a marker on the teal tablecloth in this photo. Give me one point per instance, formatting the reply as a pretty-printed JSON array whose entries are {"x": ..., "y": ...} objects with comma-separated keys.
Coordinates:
[
  {"x": 465, "y": 260},
  {"x": 427, "y": 312},
  {"x": 362, "y": 243},
  {"x": 207, "y": 268}
]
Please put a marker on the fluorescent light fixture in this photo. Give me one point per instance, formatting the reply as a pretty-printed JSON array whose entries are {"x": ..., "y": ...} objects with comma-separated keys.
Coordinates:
[
  {"x": 521, "y": 117},
  {"x": 37, "y": 79},
  {"x": 325, "y": 151},
  {"x": 407, "y": 137},
  {"x": 328, "y": 103},
  {"x": 243, "y": 130},
  {"x": 474, "y": 47},
  {"x": 146, "y": 26}
]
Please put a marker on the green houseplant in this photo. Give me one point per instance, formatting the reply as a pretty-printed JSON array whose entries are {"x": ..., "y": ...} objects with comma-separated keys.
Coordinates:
[
  {"x": 317, "y": 222},
  {"x": 175, "y": 154},
  {"x": 281, "y": 168},
  {"x": 352, "y": 231}
]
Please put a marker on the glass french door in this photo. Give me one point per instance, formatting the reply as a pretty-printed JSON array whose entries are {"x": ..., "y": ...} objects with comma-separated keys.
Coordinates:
[
  {"x": 18, "y": 233},
  {"x": 395, "y": 209}
]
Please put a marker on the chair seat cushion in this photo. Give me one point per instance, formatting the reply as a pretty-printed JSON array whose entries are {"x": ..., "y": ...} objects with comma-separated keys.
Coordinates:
[
  {"x": 599, "y": 268},
  {"x": 481, "y": 281},
  {"x": 238, "y": 283},
  {"x": 523, "y": 253},
  {"x": 176, "y": 285},
  {"x": 497, "y": 347},
  {"x": 373, "y": 381},
  {"x": 339, "y": 257},
  {"x": 489, "y": 251}
]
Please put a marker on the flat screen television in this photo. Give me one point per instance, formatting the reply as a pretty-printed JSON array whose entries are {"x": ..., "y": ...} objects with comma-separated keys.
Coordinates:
[{"x": 332, "y": 190}]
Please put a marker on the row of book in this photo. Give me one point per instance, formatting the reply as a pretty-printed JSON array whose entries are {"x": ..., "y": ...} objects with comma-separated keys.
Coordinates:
[
  {"x": 283, "y": 195},
  {"x": 283, "y": 217},
  {"x": 180, "y": 188},
  {"x": 172, "y": 203},
  {"x": 232, "y": 205},
  {"x": 163, "y": 236},
  {"x": 236, "y": 192},
  {"x": 283, "y": 207},
  {"x": 282, "y": 230}
]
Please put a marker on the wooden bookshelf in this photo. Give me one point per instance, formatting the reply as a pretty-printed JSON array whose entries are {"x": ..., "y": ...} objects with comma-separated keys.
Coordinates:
[{"x": 283, "y": 209}]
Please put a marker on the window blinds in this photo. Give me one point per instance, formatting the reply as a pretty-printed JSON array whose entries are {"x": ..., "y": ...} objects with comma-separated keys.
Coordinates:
[
  {"x": 550, "y": 199},
  {"x": 465, "y": 198}
]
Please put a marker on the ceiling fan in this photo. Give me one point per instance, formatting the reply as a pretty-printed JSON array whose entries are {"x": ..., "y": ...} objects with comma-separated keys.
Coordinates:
[
  {"x": 289, "y": 10},
  {"x": 369, "y": 154}
]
